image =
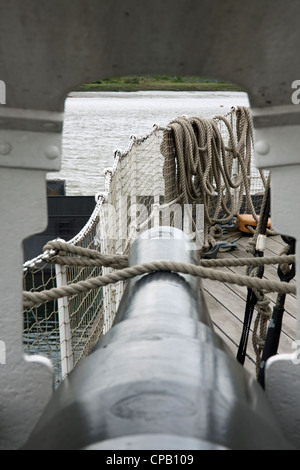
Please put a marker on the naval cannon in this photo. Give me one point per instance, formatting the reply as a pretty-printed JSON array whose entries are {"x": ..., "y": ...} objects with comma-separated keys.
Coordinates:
[{"x": 161, "y": 378}]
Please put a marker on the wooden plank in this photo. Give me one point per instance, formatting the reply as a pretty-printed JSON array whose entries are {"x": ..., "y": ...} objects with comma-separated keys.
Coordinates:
[
  {"x": 226, "y": 302},
  {"x": 233, "y": 299},
  {"x": 228, "y": 327},
  {"x": 291, "y": 302},
  {"x": 270, "y": 273},
  {"x": 228, "y": 315}
]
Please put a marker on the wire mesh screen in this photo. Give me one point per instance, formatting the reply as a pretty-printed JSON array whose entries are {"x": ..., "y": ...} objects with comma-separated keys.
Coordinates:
[
  {"x": 85, "y": 309},
  {"x": 41, "y": 324},
  {"x": 64, "y": 330}
]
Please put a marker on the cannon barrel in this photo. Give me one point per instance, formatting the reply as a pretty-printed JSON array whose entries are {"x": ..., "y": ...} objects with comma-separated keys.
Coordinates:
[{"x": 161, "y": 378}]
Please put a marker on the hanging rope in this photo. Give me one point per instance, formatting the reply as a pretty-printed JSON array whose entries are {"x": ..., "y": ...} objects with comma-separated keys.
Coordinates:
[
  {"x": 199, "y": 165},
  {"x": 255, "y": 297}
]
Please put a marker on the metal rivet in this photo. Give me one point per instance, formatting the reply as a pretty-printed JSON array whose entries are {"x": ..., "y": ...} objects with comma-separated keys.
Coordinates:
[
  {"x": 262, "y": 147},
  {"x": 5, "y": 148},
  {"x": 52, "y": 152}
]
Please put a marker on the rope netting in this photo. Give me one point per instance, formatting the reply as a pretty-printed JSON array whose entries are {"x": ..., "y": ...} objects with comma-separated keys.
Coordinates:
[
  {"x": 194, "y": 174},
  {"x": 63, "y": 330}
]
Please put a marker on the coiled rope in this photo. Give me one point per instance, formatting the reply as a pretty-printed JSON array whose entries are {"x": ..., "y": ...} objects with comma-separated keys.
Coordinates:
[{"x": 199, "y": 165}]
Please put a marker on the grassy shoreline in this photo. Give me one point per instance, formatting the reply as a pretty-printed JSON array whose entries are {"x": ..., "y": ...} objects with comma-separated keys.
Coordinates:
[{"x": 159, "y": 83}]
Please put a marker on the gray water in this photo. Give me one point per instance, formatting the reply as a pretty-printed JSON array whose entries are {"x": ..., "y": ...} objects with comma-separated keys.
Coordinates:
[{"x": 98, "y": 123}]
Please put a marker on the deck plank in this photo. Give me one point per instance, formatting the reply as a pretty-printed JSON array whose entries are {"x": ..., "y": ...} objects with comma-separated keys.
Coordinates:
[{"x": 226, "y": 302}]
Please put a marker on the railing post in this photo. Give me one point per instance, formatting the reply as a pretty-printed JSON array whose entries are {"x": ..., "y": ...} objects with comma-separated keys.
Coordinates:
[{"x": 66, "y": 350}]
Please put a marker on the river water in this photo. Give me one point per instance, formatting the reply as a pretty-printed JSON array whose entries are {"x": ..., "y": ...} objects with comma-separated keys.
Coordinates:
[{"x": 98, "y": 123}]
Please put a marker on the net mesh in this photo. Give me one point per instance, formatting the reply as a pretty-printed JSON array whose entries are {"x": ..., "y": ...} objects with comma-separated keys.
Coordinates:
[
  {"x": 41, "y": 327},
  {"x": 139, "y": 195},
  {"x": 64, "y": 330}
]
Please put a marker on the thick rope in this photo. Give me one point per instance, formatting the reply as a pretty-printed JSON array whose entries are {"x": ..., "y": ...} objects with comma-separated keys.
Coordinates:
[
  {"x": 92, "y": 258},
  {"x": 199, "y": 166},
  {"x": 34, "y": 298},
  {"x": 260, "y": 327},
  {"x": 88, "y": 256},
  {"x": 223, "y": 263},
  {"x": 262, "y": 305}
]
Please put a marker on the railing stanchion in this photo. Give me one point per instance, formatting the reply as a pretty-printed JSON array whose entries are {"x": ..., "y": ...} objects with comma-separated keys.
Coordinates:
[{"x": 66, "y": 350}]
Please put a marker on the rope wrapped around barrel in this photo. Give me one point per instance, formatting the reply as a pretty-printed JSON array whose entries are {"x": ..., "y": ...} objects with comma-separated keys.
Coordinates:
[{"x": 63, "y": 253}]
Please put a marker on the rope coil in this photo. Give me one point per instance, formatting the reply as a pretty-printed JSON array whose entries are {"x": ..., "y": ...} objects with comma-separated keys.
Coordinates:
[{"x": 199, "y": 165}]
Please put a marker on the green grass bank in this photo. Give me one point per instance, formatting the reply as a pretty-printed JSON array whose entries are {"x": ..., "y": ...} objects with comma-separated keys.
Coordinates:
[{"x": 159, "y": 82}]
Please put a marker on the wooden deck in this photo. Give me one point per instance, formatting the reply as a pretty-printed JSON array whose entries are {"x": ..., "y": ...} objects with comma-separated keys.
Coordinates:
[{"x": 226, "y": 302}]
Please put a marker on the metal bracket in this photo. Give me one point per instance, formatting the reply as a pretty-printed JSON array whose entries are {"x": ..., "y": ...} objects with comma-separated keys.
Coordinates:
[
  {"x": 30, "y": 139},
  {"x": 277, "y": 135}
]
